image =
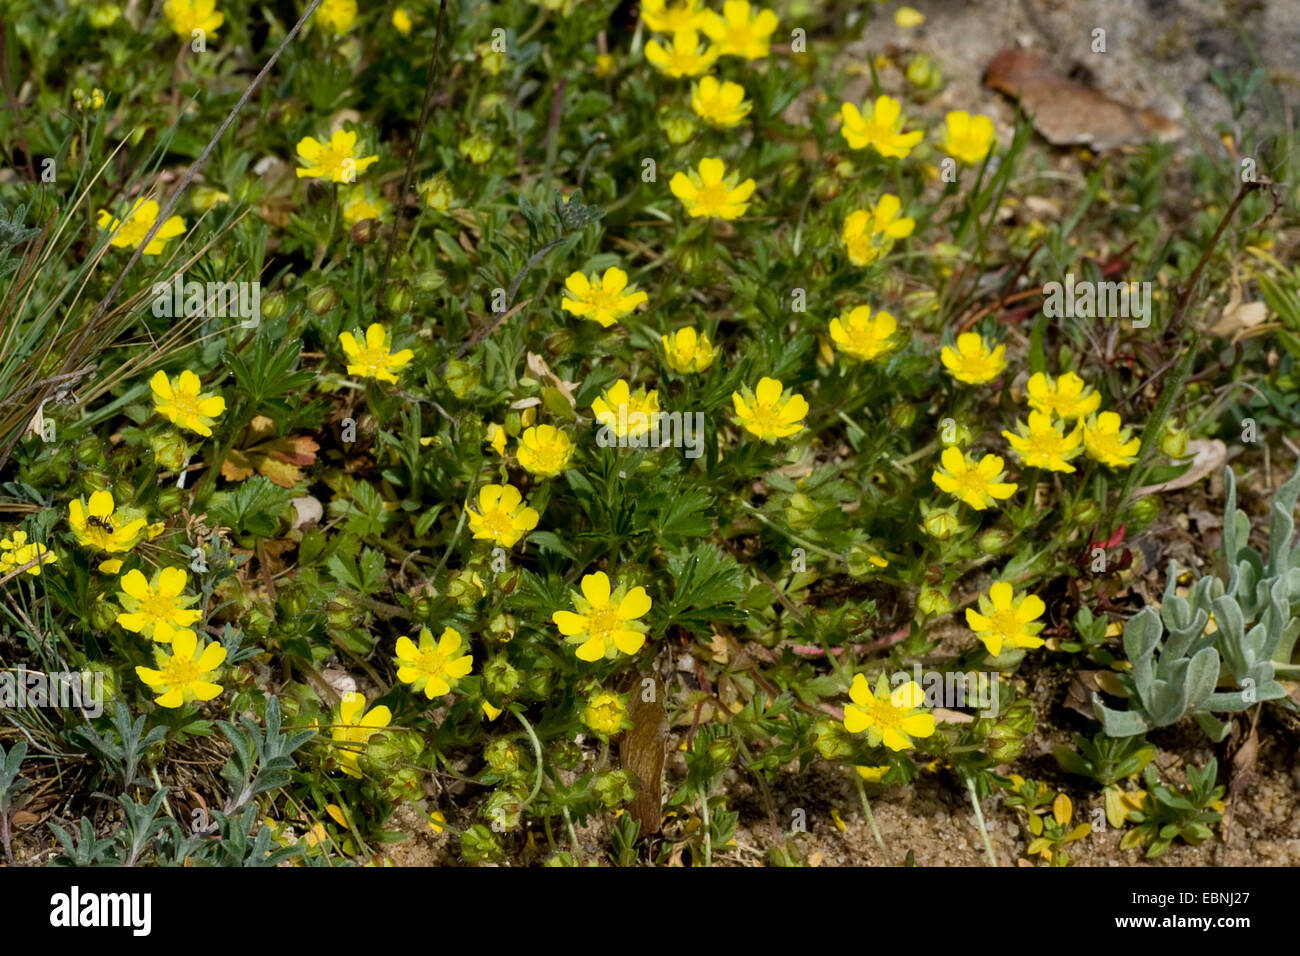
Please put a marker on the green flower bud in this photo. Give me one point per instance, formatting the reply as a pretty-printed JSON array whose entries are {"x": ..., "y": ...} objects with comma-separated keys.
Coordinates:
[
  {"x": 563, "y": 858},
  {"x": 863, "y": 561},
  {"x": 678, "y": 126},
  {"x": 613, "y": 788},
  {"x": 688, "y": 260},
  {"x": 941, "y": 523},
  {"x": 103, "y": 614},
  {"x": 826, "y": 187},
  {"x": 364, "y": 232},
  {"x": 502, "y": 680},
  {"x": 1145, "y": 511},
  {"x": 1086, "y": 512},
  {"x": 1007, "y": 739},
  {"x": 170, "y": 500},
  {"x": 539, "y": 681},
  {"x": 437, "y": 192},
  {"x": 502, "y": 628},
  {"x": 566, "y": 755},
  {"x": 503, "y": 810},
  {"x": 722, "y": 752},
  {"x": 430, "y": 280},
  {"x": 994, "y": 541},
  {"x": 322, "y": 300},
  {"x": 398, "y": 297},
  {"x": 933, "y": 602},
  {"x": 922, "y": 73},
  {"x": 1174, "y": 441},
  {"x": 168, "y": 450},
  {"x": 831, "y": 739},
  {"x": 502, "y": 756},
  {"x": 275, "y": 305},
  {"x": 954, "y": 433},
  {"x": 902, "y": 415},
  {"x": 479, "y": 845}
]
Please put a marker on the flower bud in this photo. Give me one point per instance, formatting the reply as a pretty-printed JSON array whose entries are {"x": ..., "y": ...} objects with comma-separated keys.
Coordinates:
[
  {"x": 826, "y": 187},
  {"x": 994, "y": 541},
  {"x": 398, "y": 296},
  {"x": 933, "y": 602},
  {"x": 1145, "y": 511},
  {"x": 430, "y": 280},
  {"x": 502, "y": 756},
  {"x": 170, "y": 500},
  {"x": 275, "y": 304},
  {"x": 501, "y": 679},
  {"x": 941, "y": 523},
  {"x": 103, "y": 614},
  {"x": 503, "y": 810},
  {"x": 831, "y": 739},
  {"x": 364, "y": 232},
  {"x": 1086, "y": 512},
  {"x": 902, "y": 415},
  {"x": 863, "y": 561},
  {"x": 437, "y": 192},
  {"x": 479, "y": 845},
  {"x": 614, "y": 788},
  {"x": 168, "y": 450},
  {"x": 1174, "y": 441},
  {"x": 323, "y": 299}
]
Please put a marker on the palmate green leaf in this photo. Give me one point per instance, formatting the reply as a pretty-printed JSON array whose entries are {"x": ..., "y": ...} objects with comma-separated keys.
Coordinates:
[{"x": 253, "y": 507}]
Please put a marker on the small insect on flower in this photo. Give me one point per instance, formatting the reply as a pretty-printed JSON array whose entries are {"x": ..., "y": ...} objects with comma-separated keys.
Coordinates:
[
  {"x": 870, "y": 233},
  {"x": 628, "y": 414},
  {"x": 97, "y": 524},
  {"x": 770, "y": 411},
  {"x": 374, "y": 360},
  {"x": 721, "y": 105},
  {"x": 500, "y": 517},
  {"x": 181, "y": 402},
  {"x": 605, "y": 624},
  {"x": 685, "y": 57},
  {"x": 879, "y": 126},
  {"x": 973, "y": 361},
  {"x": 605, "y": 300},
  {"x": 688, "y": 351},
  {"x": 1067, "y": 397},
  {"x": 1109, "y": 442},
  {"x": 433, "y": 668},
  {"x": 131, "y": 231},
  {"x": 1005, "y": 620},
  {"x": 892, "y": 718},
  {"x": 859, "y": 336},
  {"x": 967, "y": 138},
  {"x": 157, "y": 609},
  {"x": 711, "y": 192},
  {"x": 335, "y": 160},
  {"x": 741, "y": 30},
  {"x": 544, "y": 450},
  {"x": 1044, "y": 443},
  {"x": 975, "y": 483},
  {"x": 186, "y": 674},
  {"x": 352, "y": 728}
]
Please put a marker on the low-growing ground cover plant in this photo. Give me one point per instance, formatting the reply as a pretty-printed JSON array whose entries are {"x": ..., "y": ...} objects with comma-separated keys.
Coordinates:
[{"x": 550, "y": 432}]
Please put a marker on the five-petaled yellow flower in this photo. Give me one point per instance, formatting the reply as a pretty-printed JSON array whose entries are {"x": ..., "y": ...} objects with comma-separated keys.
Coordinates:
[
  {"x": 186, "y": 674},
  {"x": 182, "y": 403},
  {"x": 1005, "y": 620},
  {"x": 1067, "y": 397},
  {"x": 861, "y": 337},
  {"x": 352, "y": 727},
  {"x": 16, "y": 551},
  {"x": 433, "y": 667},
  {"x": 711, "y": 192},
  {"x": 973, "y": 361},
  {"x": 976, "y": 483},
  {"x": 880, "y": 126},
  {"x": 626, "y": 413},
  {"x": 186, "y": 16},
  {"x": 1108, "y": 442},
  {"x": 357, "y": 206},
  {"x": 870, "y": 233},
  {"x": 604, "y": 300},
  {"x": 889, "y": 718},
  {"x": 741, "y": 30},
  {"x": 688, "y": 351},
  {"x": 672, "y": 16},
  {"x": 719, "y": 104},
  {"x": 157, "y": 609},
  {"x": 967, "y": 138},
  {"x": 97, "y": 524},
  {"x": 401, "y": 21},
  {"x": 374, "y": 359},
  {"x": 605, "y": 624},
  {"x": 685, "y": 57},
  {"x": 337, "y": 16},
  {"x": 769, "y": 411},
  {"x": 544, "y": 450},
  {"x": 500, "y": 517},
  {"x": 335, "y": 160},
  {"x": 139, "y": 220},
  {"x": 605, "y": 713},
  {"x": 1044, "y": 443}
]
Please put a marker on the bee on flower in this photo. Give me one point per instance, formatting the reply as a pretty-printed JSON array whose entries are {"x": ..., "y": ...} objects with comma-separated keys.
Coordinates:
[
  {"x": 770, "y": 411},
  {"x": 880, "y": 126},
  {"x": 859, "y": 336},
  {"x": 605, "y": 299},
  {"x": 502, "y": 517},
  {"x": 688, "y": 351},
  {"x": 973, "y": 361},
  {"x": 605, "y": 624},
  {"x": 375, "y": 359},
  {"x": 893, "y": 718},
  {"x": 870, "y": 233},
  {"x": 1005, "y": 620},
  {"x": 131, "y": 231},
  {"x": 710, "y": 191},
  {"x": 433, "y": 668}
]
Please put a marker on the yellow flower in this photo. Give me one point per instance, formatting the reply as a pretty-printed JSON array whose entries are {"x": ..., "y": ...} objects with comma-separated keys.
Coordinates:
[
  {"x": 185, "y": 675},
  {"x": 605, "y": 624},
  {"x": 337, "y": 16},
  {"x": 139, "y": 220},
  {"x": 402, "y": 21},
  {"x": 879, "y": 126},
  {"x": 159, "y": 609},
  {"x": 604, "y": 65},
  {"x": 769, "y": 412},
  {"x": 186, "y": 16},
  {"x": 1044, "y": 443},
  {"x": 477, "y": 148},
  {"x": 1006, "y": 620},
  {"x": 494, "y": 61},
  {"x": 967, "y": 138},
  {"x": 96, "y": 524},
  {"x": 357, "y": 206},
  {"x": 432, "y": 668},
  {"x": 625, "y": 413},
  {"x": 335, "y": 160},
  {"x": 182, "y": 403},
  {"x": 860, "y": 336},
  {"x": 374, "y": 360},
  {"x": 719, "y": 104},
  {"x": 605, "y": 300},
  {"x": 605, "y": 713},
  {"x": 351, "y": 727},
  {"x": 869, "y": 234},
  {"x": 684, "y": 58},
  {"x": 1067, "y": 397},
  {"x": 872, "y": 774},
  {"x": 688, "y": 351},
  {"x": 544, "y": 451},
  {"x": 672, "y": 16},
  {"x": 907, "y": 17},
  {"x": 741, "y": 30},
  {"x": 973, "y": 361},
  {"x": 15, "y": 551},
  {"x": 436, "y": 192},
  {"x": 499, "y": 517},
  {"x": 710, "y": 192},
  {"x": 496, "y": 437},
  {"x": 977, "y": 484},
  {"x": 1108, "y": 442},
  {"x": 893, "y": 719},
  {"x": 104, "y": 15}
]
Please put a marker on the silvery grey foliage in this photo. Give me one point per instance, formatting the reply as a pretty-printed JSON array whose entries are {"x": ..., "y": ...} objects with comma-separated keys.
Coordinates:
[{"x": 1179, "y": 668}]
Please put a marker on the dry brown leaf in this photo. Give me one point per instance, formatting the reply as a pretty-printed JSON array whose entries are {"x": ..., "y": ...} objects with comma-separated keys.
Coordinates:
[
  {"x": 1207, "y": 457},
  {"x": 1068, "y": 113}
]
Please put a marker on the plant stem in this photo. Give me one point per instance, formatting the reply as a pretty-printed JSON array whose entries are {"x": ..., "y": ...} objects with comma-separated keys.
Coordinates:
[
  {"x": 871, "y": 819},
  {"x": 979, "y": 819}
]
